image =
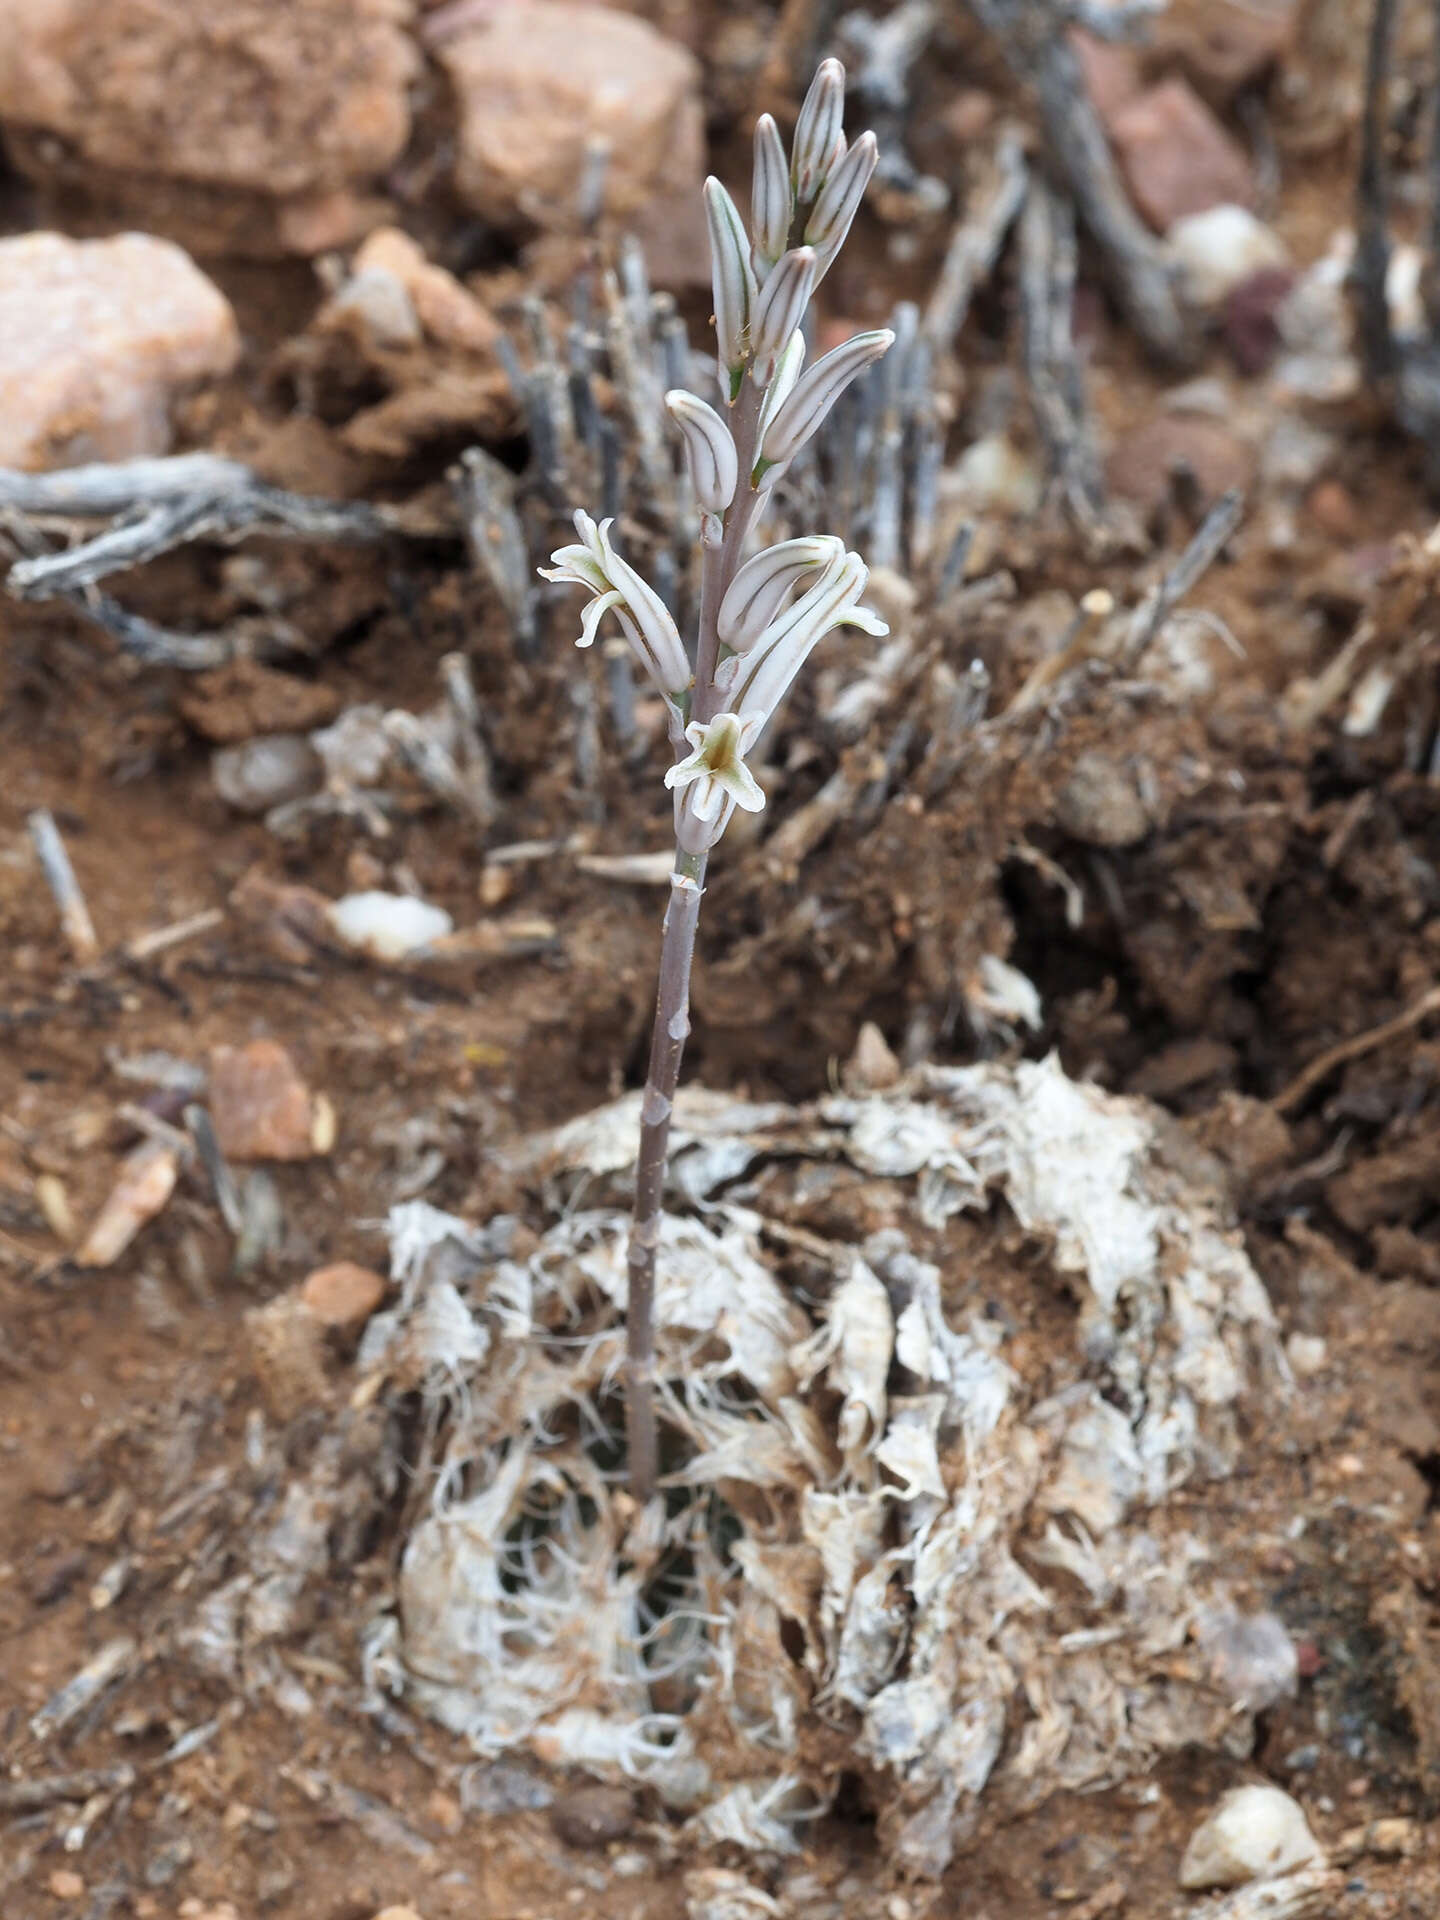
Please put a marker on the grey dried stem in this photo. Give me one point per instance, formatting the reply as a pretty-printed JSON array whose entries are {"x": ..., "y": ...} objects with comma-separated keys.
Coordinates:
[{"x": 760, "y": 616}]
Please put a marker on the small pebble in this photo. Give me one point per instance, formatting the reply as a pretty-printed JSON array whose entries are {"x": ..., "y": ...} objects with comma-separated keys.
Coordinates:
[
  {"x": 388, "y": 926},
  {"x": 65, "y": 1884},
  {"x": 1219, "y": 249},
  {"x": 343, "y": 1296},
  {"x": 265, "y": 773},
  {"x": 1307, "y": 1354},
  {"x": 593, "y": 1816},
  {"x": 261, "y": 1108},
  {"x": 1332, "y": 508},
  {"x": 1252, "y": 1833},
  {"x": 872, "y": 1067}
]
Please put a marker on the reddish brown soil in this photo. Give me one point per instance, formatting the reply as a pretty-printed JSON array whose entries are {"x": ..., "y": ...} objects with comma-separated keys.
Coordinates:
[{"x": 1287, "y": 900}]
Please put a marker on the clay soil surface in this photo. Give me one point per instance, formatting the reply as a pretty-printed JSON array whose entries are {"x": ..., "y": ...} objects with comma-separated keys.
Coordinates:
[{"x": 1284, "y": 900}]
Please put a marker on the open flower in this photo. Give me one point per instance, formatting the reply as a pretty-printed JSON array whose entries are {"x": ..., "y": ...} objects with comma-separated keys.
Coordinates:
[
  {"x": 713, "y": 781},
  {"x": 617, "y": 588}
]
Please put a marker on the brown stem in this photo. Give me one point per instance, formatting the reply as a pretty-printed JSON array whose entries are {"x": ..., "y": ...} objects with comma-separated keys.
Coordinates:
[{"x": 667, "y": 1045}]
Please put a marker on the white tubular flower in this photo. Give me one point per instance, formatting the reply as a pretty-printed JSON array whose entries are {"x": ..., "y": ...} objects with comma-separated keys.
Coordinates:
[
  {"x": 734, "y": 285},
  {"x": 764, "y": 584},
  {"x": 771, "y": 202},
  {"x": 713, "y": 781},
  {"x": 782, "y": 384},
  {"x": 753, "y": 684},
  {"x": 839, "y": 200},
  {"x": 819, "y": 140},
  {"x": 643, "y": 616},
  {"x": 709, "y": 450},
  {"x": 780, "y": 309},
  {"x": 791, "y": 423}
]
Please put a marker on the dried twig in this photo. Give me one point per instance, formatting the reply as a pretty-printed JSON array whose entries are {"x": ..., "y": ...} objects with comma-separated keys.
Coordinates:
[
  {"x": 976, "y": 242},
  {"x": 216, "y": 513},
  {"x": 1204, "y": 548},
  {"x": 1052, "y": 365},
  {"x": 25, "y": 1796},
  {"x": 1031, "y": 32},
  {"x": 1352, "y": 1049},
  {"x": 101, "y": 490},
  {"x": 75, "y": 921},
  {"x": 485, "y": 492}
]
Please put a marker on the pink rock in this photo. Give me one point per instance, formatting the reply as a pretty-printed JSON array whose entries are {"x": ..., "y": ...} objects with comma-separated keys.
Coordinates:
[
  {"x": 343, "y": 1296},
  {"x": 537, "y": 80},
  {"x": 1111, "y": 72},
  {"x": 446, "y": 310},
  {"x": 1142, "y": 464},
  {"x": 1176, "y": 157},
  {"x": 280, "y": 96},
  {"x": 96, "y": 338},
  {"x": 1252, "y": 331},
  {"x": 261, "y": 1108}
]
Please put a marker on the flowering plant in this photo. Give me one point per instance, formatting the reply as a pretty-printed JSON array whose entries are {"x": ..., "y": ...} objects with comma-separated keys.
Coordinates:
[{"x": 760, "y": 617}]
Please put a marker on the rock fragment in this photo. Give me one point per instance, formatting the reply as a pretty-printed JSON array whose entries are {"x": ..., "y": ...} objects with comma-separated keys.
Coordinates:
[
  {"x": 1252, "y": 1833},
  {"x": 593, "y": 1816},
  {"x": 538, "y": 82},
  {"x": 248, "y": 135},
  {"x": 97, "y": 337},
  {"x": 1100, "y": 803},
  {"x": 147, "y": 1180},
  {"x": 1218, "y": 250},
  {"x": 343, "y": 1296},
  {"x": 447, "y": 312},
  {"x": 1144, "y": 464},
  {"x": 1176, "y": 157},
  {"x": 245, "y": 698},
  {"x": 265, "y": 772},
  {"x": 261, "y": 1107}
]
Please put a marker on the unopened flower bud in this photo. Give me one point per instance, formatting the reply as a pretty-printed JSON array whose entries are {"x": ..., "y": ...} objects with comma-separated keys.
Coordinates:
[
  {"x": 764, "y": 583},
  {"x": 709, "y": 450},
  {"x": 839, "y": 200},
  {"x": 780, "y": 308},
  {"x": 771, "y": 201},
  {"x": 733, "y": 282},
  {"x": 819, "y": 138},
  {"x": 792, "y": 423}
]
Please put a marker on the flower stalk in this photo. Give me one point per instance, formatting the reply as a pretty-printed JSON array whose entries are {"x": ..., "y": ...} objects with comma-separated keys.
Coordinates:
[{"x": 760, "y": 618}]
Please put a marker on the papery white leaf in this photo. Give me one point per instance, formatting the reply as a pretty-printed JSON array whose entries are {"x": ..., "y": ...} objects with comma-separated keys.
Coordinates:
[
  {"x": 763, "y": 584},
  {"x": 709, "y": 450},
  {"x": 818, "y": 131},
  {"x": 771, "y": 201},
  {"x": 733, "y": 282},
  {"x": 791, "y": 424}
]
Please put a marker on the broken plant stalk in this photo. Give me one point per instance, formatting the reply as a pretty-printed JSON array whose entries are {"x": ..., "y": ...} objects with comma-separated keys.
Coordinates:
[{"x": 760, "y": 618}]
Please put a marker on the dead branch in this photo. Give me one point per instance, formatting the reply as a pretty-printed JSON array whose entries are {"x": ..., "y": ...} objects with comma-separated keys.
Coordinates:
[
  {"x": 1204, "y": 548},
  {"x": 1031, "y": 34},
  {"x": 1353, "y": 1048},
  {"x": 1057, "y": 385},
  {"x": 976, "y": 242},
  {"x": 215, "y": 513}
]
